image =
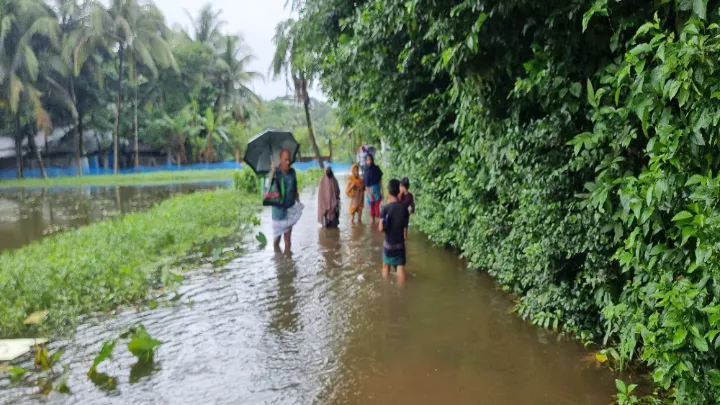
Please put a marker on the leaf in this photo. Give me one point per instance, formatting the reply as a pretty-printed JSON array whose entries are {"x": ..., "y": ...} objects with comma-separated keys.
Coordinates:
[
  {"x": 700, "y": 343},
  {"x": 591, "y": 94},
  {"x": 714, "y": 376},
  {"x": 142, "y": 345},
  {"x": 105, "y": 353},
  {"x": 36, "y": 318},
  {"x": 695, "y": 179},
  {"x": 576, "y": 89},
  {"x": 620, "y": 385},
  {"x": 700, "y": 8},
  {"x": 681, "y": 216},
  {"x": 679, "y": 336},
  {"x": 600, "y": 357},
  {"x": 261, "y": 238}
]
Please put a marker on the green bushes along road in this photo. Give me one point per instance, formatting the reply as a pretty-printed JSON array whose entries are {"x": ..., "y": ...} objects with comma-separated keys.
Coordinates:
[{"x": 570, "y": 149}]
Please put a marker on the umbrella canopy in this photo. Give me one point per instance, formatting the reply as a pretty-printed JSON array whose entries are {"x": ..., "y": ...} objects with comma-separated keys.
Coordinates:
[{"x": 265, "y": 148}]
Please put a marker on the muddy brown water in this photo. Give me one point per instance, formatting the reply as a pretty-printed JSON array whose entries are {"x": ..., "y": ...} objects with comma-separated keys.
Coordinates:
[
  {"x": 321, "y": 326},
  {"x": 30, "y": 214}
]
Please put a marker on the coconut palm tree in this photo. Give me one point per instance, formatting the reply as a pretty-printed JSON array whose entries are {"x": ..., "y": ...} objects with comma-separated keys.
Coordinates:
[
  {"x": 21, "y": 22},
  {"x": 206, "y": 29},
  {"x": 59, "y": 71},
  {"x": 233, "y": 78},
  {"x": 137, "y": 32},
  {"x": 288, "y": 61}
]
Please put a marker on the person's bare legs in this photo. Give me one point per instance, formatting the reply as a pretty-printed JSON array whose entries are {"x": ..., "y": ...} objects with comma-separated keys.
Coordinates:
[
  {"x": 276, "y": 244},
  {"x": 287, "y": 241},
  {"x": 401, "y": 275},
  {"x": 386, "y": 270},
  {"x": 359, "y": 215}
]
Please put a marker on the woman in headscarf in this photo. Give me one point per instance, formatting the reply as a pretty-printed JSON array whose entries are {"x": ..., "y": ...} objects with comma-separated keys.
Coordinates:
[
  {"x": 287, "y": 214},
  {"x": 329, "y": 200},
  {"x": 373, "y": 186},
  {"x": 355, "y": 189}
]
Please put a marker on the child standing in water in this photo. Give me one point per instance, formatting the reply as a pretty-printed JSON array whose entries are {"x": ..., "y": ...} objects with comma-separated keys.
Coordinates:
[
  {"x": 394, "y": 222},
  {"x": 406, "y": 197}
]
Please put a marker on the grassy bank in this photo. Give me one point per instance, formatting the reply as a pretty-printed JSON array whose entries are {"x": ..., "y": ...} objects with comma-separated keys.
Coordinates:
[
  {"x": 156, "y": 178},
  {"x": 124, "y": 179},
  {"x": 111, "y": 263}
]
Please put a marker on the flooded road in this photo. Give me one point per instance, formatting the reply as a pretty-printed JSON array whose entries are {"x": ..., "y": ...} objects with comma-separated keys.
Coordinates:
[
  {"x": 30, "y": 214},
  {"x": 321, "y": 326}
]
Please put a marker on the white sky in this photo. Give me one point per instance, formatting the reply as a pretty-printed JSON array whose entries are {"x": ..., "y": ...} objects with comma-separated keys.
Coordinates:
[{"x": 254, "y": 19}]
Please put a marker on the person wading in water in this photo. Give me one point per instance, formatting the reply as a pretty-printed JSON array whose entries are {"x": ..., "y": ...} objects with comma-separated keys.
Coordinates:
[
  {"x": 372, "y": 177},
  {"x": 287, "y": 214}
]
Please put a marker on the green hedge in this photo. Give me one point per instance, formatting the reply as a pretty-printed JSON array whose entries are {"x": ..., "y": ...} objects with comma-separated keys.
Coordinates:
[{"x": 569, "y": 148}]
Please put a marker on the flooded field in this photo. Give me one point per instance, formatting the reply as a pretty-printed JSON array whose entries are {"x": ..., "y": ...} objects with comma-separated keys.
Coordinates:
[
  {"x": 28, "y": 215},
  {"x": 321, "y": 326}
]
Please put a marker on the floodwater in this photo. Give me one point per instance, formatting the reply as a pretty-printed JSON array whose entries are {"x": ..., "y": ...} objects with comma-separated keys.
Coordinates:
[
  {"x": 30, "y": 214},
  {"x": 321, "y": 326}
]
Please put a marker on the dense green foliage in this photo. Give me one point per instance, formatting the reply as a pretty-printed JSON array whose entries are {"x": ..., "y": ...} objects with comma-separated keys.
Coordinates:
[
  {"x": 111, "y": 263},
  {"x": 117, "y": 70},
  {"x": 285, "y": 113},
  {"x": 569, "y": 148}
]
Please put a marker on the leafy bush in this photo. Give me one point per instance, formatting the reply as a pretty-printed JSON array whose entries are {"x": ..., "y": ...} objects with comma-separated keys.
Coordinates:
[
  {"x": 567, "y": 148},
  {"x": 246, "y": 180},
  {"x": 103, "y": 265}
]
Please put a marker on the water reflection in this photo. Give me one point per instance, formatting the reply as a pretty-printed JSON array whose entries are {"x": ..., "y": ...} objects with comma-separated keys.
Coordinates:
[
  {"x": 27, "y": 215},
  {"x": 331, "y": 248},
  {"x": 284, "y": 316}
]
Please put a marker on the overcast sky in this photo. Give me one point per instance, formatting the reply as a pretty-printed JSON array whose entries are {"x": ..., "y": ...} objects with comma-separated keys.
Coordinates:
[{"x": 254, "y": 19}]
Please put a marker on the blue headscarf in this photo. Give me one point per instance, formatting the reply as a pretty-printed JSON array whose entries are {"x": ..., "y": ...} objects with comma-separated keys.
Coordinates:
[{"x": 372, "y": 175}]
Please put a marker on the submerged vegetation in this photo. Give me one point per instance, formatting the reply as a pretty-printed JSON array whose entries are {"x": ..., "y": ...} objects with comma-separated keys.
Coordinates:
[
  {"x": 118, "y": 262},
  {"x": 567, "y": 148}
]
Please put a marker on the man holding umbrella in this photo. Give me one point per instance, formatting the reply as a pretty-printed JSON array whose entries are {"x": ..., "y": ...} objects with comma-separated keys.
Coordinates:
[
  {"x": 262, "y": 152},
  {"x": 288, "y": 213}
]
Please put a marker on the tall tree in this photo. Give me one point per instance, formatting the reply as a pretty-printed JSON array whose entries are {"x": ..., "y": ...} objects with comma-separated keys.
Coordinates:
[
  {"x": 289, "y": 61},
  {"x": 59, "y": 72},
  {"x": 21, "y": 22},
  {"x": 206, "y": 28},
  {"x": 233, "y": 78},
  {"x": 136, "y": 31}
]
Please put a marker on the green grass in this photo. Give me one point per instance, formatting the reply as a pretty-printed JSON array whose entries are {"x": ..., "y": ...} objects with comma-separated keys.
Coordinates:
[
  {"x": 124, "y": 179},
  {"x": 112, "y": 263}
]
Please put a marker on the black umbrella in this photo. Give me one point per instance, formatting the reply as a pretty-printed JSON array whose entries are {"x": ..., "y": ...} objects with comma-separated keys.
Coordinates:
[{"x": 265, "y": 147}]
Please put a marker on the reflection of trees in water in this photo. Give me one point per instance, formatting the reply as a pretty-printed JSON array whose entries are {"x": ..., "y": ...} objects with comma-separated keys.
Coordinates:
[
  {"x": 330, "y": 247},
  {"x": 284, "y": 315}
]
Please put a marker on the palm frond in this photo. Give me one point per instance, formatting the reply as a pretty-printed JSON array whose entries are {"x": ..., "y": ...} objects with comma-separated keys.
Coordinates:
[
  {"x": 6, "y": 26},
  {"x": 45, "y": 26},
  {"x": 32, "y": 66},
  {"x": 16, "y": 88}
]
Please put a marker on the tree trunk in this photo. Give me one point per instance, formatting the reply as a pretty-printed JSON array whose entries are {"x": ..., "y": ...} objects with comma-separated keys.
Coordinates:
[
  {"x": 306, "y": 103},
  {"x": 76, "y": 134},
  {"x": 34, "y": 149},
  {"x": 135, "y": 125},
  {"x": 116, "y": 133},
  {"x": 81, "y": 138},
  {"x": 237, "y": 155},
  {"x": 18, "y": 147}
]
